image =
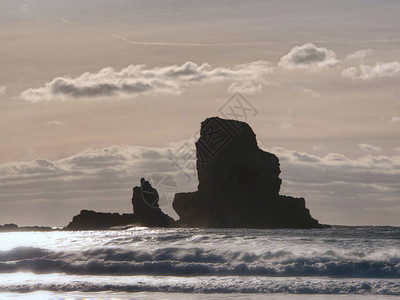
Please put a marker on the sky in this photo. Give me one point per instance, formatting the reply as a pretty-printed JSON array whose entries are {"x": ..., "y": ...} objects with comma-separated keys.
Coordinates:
[{"x": 96, "y": 94}]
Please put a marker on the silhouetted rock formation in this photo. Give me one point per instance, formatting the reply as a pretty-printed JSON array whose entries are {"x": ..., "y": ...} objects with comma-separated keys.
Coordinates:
[
  {"x": 14, "y": 228},
  {"x": 238, "y": 187},
  {"x": 91, "y": 220},
  {"x": 238, "y": 183},
  {"x": 9, "y": 227},
  {"x": 145, "y": 206}
]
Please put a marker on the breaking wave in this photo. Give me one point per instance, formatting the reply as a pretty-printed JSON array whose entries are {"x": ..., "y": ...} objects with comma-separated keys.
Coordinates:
[
  {"x": 199, "y": 262},
  {"x": 345, "y": 260},
  {"x": 219, "y": 285}
]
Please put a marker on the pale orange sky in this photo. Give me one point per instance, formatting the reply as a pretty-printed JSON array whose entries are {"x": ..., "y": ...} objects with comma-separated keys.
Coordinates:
[{"x": 347, "y": 103}]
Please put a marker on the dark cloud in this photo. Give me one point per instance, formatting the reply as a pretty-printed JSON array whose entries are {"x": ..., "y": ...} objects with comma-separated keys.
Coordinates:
[{"x": 139, "y": 79}]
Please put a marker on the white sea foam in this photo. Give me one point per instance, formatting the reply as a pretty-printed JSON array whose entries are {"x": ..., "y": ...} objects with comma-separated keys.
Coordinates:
[
  {"x": 342, "y": 260},
  {"x": 174, "y": 261},
  {"x": 23, "y": 283}
]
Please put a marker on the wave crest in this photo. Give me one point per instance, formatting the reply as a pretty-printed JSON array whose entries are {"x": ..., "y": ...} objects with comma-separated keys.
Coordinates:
[{"x": 196, "y": 261}]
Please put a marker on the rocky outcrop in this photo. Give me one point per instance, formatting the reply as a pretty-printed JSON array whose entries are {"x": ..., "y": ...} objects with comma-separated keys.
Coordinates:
[
  {"x": 145, "y": 206},
  {"x": 91, "y": 220},
  {"x": 146, "y": 212},
  {"x": 239, "y": 186},
  {"x": 238, "y": 183},
  {"x": 16, "y": 228}
]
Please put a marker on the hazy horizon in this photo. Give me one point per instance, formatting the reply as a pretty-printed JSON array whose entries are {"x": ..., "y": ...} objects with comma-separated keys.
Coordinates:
[{"x": 94, "y": 95}]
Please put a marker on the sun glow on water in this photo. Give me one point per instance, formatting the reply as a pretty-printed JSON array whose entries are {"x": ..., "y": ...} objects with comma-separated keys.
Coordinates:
[{"x": 346, "y": 260}]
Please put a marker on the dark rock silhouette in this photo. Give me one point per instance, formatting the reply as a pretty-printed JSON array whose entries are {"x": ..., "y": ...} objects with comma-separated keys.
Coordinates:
[
  {"x": 9, "y": 227},
  {"x": 91, "y": 220},
  {"x": 145, "y": 206},
  {"x": 146, "y": 212},
  {"x": 238, "y": 183},
  {"x": 238, "y": 187},
  {"x": 14, "y": 228}
]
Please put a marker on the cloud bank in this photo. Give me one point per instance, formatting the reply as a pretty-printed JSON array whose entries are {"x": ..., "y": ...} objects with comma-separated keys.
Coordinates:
[
  {"x": 366, "y": 72},
  {"x": 309, "y": 56},
  {"x": 343, "y": 190},
  {"x": 140, "y": 79},
  {"x": 340, "y": 189},
  {"x": 51, "y": 192},
  {"x": 245, "y": 78}
]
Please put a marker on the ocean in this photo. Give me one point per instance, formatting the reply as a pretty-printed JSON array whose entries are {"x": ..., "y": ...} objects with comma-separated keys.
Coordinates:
[{"x": 145, "y": 263}]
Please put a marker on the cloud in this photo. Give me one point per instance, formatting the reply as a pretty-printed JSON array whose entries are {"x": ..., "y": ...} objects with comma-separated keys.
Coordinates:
[
  {"x": 286, "y": 125},
  {"x": 341, "y": 190},
  {"x": 369, "y": 148},
  {"x": 51, "y": 192},
  {"x": 366, "y": 72},
  {"x": 27, "y": 9},
  {"x": 395, "y": 119},
  {"x": 102, "y": 179},
  {"x": 308, "y": 91},
  {"x": 360, "y": 54},
  {"x": 140, "y": 79},
  {"x": 3, "y": 90},
  {"x": 54, "y": 123},
  {"x": 309, "y": 56},
  {"x": 245, "y": 87},
  {"x": 351, "y": 72}
]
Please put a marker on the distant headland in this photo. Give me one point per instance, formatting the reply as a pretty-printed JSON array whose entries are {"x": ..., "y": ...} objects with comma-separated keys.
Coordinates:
[{"x": 238, "y": 187}]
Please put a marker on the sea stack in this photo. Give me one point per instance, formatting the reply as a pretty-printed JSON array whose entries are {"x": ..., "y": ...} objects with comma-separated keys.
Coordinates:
[
  {"x": 238, "y": 183},
  {"x": 145, "y": 206}
]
